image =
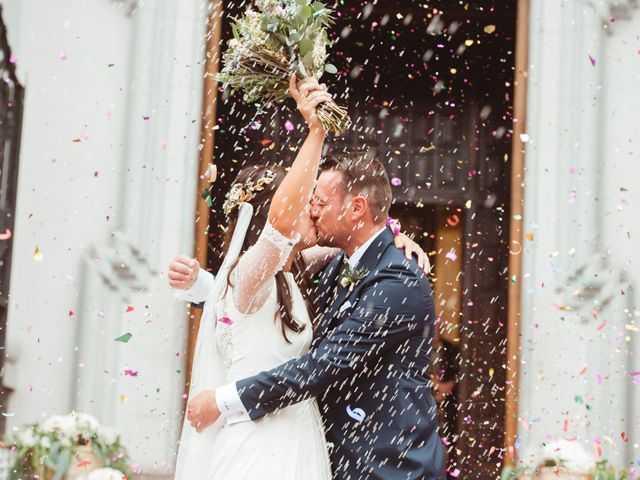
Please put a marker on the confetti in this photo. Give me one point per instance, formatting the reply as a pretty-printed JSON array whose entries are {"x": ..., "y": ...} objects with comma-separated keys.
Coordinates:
[
  {"x": 396, "y": 182},
  {"x": 489, "y": 29},
  {"x": 62, "y": 56},
  {"x": 518, "y": 249},
  {"x": 37, "y": 255},
  {"x": 453, "y": 220},
  {"x": 130, "y": 309},
  {"x": 124, "y": 338},
  {"x": 225, "y": 320},
  {"x": 130, "y": 373},
  {"x": 6, "y": 235},
  {"x": 288, "y": 126},
  {"x": 71, "y": 313},
  {"x": 592, "y": 60},
  {"x": 357, "y": 414}
]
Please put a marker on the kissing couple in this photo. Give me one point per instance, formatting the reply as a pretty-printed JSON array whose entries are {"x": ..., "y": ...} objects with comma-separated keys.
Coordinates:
[{"x": 313, "y": 352}]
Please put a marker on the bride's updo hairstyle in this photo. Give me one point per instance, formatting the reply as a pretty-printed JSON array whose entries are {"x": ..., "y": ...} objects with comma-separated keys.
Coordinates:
[{"x": 268, "y": 179}]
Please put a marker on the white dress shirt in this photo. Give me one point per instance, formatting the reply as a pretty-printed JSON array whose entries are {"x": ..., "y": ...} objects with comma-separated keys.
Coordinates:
[
  {"x": 199, "y": 291},
  {"x": 227, "y": 397}
]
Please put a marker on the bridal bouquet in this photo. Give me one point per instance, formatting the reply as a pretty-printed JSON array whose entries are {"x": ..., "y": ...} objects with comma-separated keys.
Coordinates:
[
  {"x": 66, "y": 447},
  {"x": 271, "y": 43}
]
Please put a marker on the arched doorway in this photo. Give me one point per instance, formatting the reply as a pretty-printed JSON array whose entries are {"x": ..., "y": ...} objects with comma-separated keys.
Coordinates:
[{"x": 430, "y": 90}]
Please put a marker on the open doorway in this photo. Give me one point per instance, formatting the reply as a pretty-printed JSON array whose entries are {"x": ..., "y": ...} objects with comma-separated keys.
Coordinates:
[{"x": 430, "y": 89}]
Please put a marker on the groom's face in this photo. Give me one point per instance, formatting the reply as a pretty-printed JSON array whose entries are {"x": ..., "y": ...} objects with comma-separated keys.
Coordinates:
[{"x": 328, "y": 209}]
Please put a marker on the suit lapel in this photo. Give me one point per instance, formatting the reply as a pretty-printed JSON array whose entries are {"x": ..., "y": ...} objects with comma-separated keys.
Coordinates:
[
  {"x": 325, "y": 289},
  {"x": 369, "y": 261}
]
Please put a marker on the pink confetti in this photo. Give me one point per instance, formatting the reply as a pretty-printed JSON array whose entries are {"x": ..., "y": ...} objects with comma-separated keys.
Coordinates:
[
  {"x": 592, "y": 60},
  {"x": 455, "y": 473},
  {"x": 451, "y": 255},
  {"x": 396, "y": 182},
  {"x": 288, "y": 126},
  {"x": 225, "y": 320},
  {"x": 146, "y": 117},
  {"x": 130, "y": 373},
  {"x": 62, "y": 56},
  {"x": 6, "y": 235},
  {"x": 13, "y": 59}
]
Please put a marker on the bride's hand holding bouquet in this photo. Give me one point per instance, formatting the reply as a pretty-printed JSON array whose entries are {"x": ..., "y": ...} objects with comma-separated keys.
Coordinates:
[{"x": 274, "y": 41}]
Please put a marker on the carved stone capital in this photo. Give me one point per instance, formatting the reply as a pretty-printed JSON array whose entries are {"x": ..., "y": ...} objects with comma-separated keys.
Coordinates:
[{"x": 620, "y": 10}]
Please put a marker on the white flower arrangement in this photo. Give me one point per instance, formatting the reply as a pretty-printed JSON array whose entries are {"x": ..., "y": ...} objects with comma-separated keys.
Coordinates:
[
  {"x": 563, "y": 459},
  {"x": 104, "y": 474},
  {"x": 571, "y": 456},
  {"x": 53, "y": 445}
]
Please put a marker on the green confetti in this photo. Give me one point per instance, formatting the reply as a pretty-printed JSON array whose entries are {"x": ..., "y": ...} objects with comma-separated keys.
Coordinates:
[
  {"x": 124, "y": 338},
  {"x": 513, "y": 279},
  {"x": 111, "y": 65}
]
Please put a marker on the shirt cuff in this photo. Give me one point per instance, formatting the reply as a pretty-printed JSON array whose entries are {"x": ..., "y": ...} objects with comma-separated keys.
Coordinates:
[
  {"x": 199, "y": 291},
  {"x": 230, "y": 405}
]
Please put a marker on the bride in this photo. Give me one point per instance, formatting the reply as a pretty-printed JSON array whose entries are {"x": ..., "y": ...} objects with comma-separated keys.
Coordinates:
[{"x": 256, "y": 317}]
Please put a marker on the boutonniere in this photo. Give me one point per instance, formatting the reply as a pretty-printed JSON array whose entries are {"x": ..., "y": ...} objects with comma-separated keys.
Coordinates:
[{"x": 349, "y": 276}]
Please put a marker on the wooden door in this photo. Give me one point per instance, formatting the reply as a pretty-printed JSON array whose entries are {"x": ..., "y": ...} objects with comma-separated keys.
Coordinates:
[{"x": 11, "y": 98}]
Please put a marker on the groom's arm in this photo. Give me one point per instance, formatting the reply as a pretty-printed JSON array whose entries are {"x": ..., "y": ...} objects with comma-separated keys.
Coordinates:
[{"x": 397, "y": 306}]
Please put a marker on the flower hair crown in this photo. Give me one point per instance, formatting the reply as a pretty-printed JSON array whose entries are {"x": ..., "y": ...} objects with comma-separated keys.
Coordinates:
[{"x": 244, "y": 192}]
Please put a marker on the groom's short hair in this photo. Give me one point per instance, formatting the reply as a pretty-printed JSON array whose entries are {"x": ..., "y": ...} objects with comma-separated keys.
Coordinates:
[{"x": 366, "y": 176}]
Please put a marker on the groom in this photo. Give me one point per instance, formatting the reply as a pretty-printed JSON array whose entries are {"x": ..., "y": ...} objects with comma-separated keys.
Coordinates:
[{"x": 368, "y": 364}]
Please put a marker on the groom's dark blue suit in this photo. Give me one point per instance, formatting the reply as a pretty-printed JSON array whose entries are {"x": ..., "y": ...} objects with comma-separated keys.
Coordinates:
[{"x": 368, "y": 367}]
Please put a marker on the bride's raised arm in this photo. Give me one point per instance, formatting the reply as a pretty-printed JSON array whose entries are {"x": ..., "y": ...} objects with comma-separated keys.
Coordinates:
[{"x": 288, "y": 209}]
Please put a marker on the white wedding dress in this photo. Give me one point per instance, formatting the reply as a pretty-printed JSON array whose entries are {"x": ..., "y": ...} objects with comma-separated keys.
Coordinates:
[{"x": 288, "y": 444}]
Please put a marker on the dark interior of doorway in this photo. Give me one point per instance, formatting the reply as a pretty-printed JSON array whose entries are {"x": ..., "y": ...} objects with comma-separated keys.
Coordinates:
[{"x": 429, "y": 87}]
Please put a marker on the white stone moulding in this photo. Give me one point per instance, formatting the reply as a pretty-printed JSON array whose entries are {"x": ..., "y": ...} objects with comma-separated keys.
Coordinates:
[{"x": 128, "y": 6}]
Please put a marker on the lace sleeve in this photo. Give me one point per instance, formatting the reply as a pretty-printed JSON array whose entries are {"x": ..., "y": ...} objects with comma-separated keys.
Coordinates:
[{"x": 258, "y": 265}]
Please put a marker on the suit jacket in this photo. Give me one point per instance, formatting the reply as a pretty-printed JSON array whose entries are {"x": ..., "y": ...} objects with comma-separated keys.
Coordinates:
[{"x": 368, "y": 367}]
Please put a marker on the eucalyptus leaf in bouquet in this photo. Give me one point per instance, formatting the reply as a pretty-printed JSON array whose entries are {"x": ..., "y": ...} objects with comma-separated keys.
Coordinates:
[{"x": 275, "y": 40}]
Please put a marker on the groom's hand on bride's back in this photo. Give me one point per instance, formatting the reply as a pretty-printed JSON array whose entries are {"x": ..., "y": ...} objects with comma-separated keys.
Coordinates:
[
  {"x": 412, "y": 248},
  {"x": 183, "y": 272},
  {"x": 202, "y": 410}
]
